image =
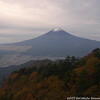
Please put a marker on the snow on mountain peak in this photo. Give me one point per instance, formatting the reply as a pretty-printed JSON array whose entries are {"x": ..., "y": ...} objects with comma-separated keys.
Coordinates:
[{"x": 57, "y": 29}]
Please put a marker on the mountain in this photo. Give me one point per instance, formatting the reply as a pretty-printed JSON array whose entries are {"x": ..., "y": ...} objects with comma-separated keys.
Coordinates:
[
  {"x": 53, "y": 45},
  {"x": 59, "y": 43},
  {"x": 68, "y": 78}
]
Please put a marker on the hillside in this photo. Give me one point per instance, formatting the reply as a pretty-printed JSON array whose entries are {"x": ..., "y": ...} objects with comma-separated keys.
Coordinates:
[
  {"x": 6, "y": 71},
  {"x": 55, "y": 81}
]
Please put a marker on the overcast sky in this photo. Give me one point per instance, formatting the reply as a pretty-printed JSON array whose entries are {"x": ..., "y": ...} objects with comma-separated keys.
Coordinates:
[{"x": 25, "y": 19}]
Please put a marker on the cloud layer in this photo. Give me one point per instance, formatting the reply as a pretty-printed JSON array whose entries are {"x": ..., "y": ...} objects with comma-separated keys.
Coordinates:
[{"x": 24, "y": 19}]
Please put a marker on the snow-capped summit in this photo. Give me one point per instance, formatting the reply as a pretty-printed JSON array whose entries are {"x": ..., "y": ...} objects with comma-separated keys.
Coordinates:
[{"x": 57, "y": 29}]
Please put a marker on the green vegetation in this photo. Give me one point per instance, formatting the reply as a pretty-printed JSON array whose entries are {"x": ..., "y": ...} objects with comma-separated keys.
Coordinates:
[{"x": 55, "y": 81}]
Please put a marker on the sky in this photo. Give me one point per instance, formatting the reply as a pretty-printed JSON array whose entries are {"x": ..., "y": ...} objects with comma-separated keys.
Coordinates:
[{"x": 25, "y": 19}]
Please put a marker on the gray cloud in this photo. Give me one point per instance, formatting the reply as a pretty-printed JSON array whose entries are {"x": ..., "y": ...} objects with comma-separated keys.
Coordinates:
[{"x": 34, "y": 17}]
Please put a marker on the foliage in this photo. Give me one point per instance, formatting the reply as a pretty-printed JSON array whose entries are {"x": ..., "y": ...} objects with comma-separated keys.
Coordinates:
[{"x": 55, "y": 81}]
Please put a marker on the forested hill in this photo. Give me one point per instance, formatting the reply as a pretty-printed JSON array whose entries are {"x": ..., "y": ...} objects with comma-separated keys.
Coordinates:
[{"x": 55, "y": 81}]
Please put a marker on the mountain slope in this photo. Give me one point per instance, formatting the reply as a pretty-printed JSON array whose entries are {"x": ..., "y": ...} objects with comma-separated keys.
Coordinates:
[
  {"x": 68, "y": 78},
  {"x": 6, "y": 71}
]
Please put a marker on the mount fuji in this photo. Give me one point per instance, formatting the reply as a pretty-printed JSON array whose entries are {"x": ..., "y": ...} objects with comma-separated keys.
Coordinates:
[
  {"x": 51, "y": 45},
  {"x": 59, "y": 43}
]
